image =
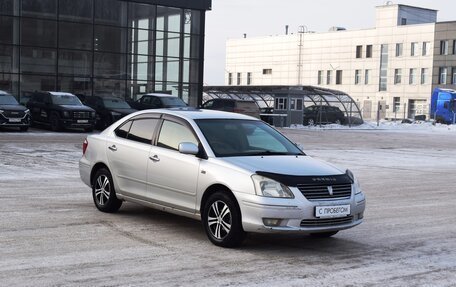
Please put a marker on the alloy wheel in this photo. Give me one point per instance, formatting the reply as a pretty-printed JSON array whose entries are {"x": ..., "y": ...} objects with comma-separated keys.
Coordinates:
[
  {"x": 102, "y": 189},
  {"x": 219, "y": 220}
]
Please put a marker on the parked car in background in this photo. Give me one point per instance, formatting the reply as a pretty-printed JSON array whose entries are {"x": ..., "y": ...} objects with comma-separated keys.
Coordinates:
[
  {"x": 109, "y": 109},
  {"x": 60, "y": 111},
  {"x": 157, "y": 101},
  {"x": 235, "y": 173},
  {"x": 323, "y": 114},
  {"x": 13, "y": 114},
  {"x": 245, "y": 107}
]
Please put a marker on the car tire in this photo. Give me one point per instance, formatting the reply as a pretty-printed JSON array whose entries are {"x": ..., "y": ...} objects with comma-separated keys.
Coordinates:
[
  {"x": 221, "y": 220},
  {"x": 103, "y": 192},
  {"x": 338, "y": 122},
  {"x": 324, "y": 234},
  {"x": 24, "y": 129},
  {"x": 311, "y": 122},
  {"x": 55, "y": 123}
]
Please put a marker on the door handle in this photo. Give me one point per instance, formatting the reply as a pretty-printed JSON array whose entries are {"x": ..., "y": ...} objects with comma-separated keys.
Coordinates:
[
  {"x": 113, "y": 147},
  {"x": 154, "y": 158}
]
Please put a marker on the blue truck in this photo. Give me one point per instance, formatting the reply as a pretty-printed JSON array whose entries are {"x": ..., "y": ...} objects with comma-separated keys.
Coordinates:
[{"x": 443, "y": 106}]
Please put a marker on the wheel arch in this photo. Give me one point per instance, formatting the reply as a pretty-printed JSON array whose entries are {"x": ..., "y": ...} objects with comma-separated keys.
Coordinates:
[
  {"x": 213, "y": 189},
  {"x": 95, "y": 168}
]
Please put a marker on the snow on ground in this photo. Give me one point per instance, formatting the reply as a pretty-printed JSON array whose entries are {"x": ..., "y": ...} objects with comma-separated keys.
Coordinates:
[{"x": 391, "y": 126}]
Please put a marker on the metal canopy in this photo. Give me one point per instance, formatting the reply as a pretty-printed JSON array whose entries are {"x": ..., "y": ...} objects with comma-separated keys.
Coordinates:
[{"x": 264, "y": 96}]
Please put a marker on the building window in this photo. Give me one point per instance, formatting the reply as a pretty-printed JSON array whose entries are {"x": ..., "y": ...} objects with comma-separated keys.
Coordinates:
[
  {"x": 328, "y": 77},
  {"x": 412, "y": 77},
  {"x": 399, "y": 48},
  {"x": 359, "y": 52},
  {"x": 454, "y": 47},
  {"x": 396, "y": 104},
  {"x": 230, "y": 79},
  {"x": 414, "y": 49},
  {"x": 369, "y": 51},
  {"x": 443, "y": 75},
  {"x": 238, "y": 80},
  {"x": 320, "y": 77},
  {"x": 424, "y": 76},
  {"x": 383, "y": 77},
  {"x": 357, "y": 77},
  {"x": 267, "y": 71},
  {"x": 397, "y": 76},
  {"x": 339, "y": 77},
  {"x": 280, "y": 103},
  {"x": 444, "y": 47},
  {"x": 296, "y": 104},
  {"x": 403, "y": 21},
  {"x": 366, "y": 77},
  {"x": 453, "y": 75},
  {"x": 249, "y": 78},
  {"x": 426, "y": 48}
]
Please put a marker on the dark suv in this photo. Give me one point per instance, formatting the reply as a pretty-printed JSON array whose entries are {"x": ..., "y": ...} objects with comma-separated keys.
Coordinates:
[
  {"x": 246, "y": 107},
  {"x": 323, "y": 114},
  {"x": 60, "y": 111},
  {"x": 109, "y": 109},
  {"x": 13, "y": 114},
  {"x": 157, "y": 101}
]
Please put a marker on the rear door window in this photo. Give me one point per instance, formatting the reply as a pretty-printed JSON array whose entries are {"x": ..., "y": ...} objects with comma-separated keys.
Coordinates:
[
  {"x": 122, "y": 131},
  {"x": 142, "y": 130}
]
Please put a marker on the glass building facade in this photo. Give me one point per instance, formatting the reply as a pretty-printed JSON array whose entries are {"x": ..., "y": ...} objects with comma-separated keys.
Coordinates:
[{"x": 103, "y": 47}]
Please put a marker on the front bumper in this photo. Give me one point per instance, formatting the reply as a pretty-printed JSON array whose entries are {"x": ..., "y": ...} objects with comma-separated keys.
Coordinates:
[
  {"x": 296, "y": 215},
  {"x": 14, "y": 122}
]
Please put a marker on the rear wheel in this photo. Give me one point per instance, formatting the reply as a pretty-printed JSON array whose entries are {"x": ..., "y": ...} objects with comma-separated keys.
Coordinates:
[
  {"x": 310, "y": 122},
  {"x": 222, "y": 220},
  {"x": 103, "y": 192},
  {"x": 324, "y": 234}
]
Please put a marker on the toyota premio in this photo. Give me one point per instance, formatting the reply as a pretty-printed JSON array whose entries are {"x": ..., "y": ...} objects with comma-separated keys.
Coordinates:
[{"x": 233, "y": 172}]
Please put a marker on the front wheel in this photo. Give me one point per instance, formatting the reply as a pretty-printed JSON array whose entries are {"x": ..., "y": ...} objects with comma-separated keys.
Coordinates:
[
  {"x": 103, "y": 192},
  {"x": 222, "y": 220},
  {"x": 55, "y": 123}
]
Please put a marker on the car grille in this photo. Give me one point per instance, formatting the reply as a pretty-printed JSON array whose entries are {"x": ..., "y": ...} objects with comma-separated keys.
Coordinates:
[
  {"x": 326, "y": 221},
  {"x": 14, "y": 114},
  {"x": 321, "y": 191},
  {"x": 81, "y": 115}
]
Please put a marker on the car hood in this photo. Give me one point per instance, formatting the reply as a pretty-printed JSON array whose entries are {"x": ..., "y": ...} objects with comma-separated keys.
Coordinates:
[
  {"x": 19, "y": 108},
  {"x": 123, "y": 111},
  {"x": 287, "y": 165},
  {"x": 76, "y": 108}
]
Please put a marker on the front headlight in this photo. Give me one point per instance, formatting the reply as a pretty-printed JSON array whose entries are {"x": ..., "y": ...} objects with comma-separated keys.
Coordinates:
[
  {"x": 116, "y": 114},
  {"x": 354, "y": 180},
  {"x": 270, "y": 188},
  {"x": 93, "y": 114},
  {"x": 1, "y": 111},
  {"x": 66, "y": 114},
  {"x": 27, "y": 111}
]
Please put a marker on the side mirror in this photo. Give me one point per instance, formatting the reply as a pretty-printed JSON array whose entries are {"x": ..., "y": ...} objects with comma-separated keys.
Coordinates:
[{"x": 188, "y": 148}]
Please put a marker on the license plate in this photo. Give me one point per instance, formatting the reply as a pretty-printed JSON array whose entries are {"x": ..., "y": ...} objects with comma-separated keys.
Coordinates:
[
  {"x": 332, "y": 211},
  {"x": 83, "y": 121},
  {"x": 14, "y": 120}
]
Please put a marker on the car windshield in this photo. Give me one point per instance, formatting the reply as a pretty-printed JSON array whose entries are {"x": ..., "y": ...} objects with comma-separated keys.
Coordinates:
[
  {"x": 230, "y": 137},
  {"x": 66, "y": 99},
  {"x": 115, "y": 104},
  {"x": 173, "y": 102},
  {"x": 8, "y": 100}
]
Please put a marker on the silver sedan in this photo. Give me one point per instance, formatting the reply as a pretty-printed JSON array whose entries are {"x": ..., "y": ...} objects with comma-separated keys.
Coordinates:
[{"x": 233, "y": 172}]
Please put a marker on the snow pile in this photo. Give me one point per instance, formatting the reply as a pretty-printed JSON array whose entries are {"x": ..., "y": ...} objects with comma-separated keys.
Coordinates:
[{"x": 418, "y": 126}]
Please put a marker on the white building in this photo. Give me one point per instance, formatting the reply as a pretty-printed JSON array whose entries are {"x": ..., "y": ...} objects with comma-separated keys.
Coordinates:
[{"x": 395, "y": 65}]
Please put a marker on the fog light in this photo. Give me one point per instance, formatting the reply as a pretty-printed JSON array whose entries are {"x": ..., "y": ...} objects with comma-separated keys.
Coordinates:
[
  {"x": 272, "y": 221},
  {"x": 360, "y": 215}
]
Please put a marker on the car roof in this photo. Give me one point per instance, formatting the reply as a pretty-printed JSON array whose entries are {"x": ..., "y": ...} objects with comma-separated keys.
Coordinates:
[
  {"x": 3, "y": 93},
  {"x": 159, "y": 95},
  {"x": 60, "y": 94},
  {"x": 197, "y": 114}
]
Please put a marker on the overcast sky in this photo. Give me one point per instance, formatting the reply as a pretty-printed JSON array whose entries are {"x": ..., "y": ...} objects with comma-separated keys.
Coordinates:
[{"x": 232, "y": 18}]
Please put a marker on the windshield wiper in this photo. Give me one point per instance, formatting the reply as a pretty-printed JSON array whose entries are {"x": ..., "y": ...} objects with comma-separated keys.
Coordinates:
[{"x": 268, "y": 152}]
